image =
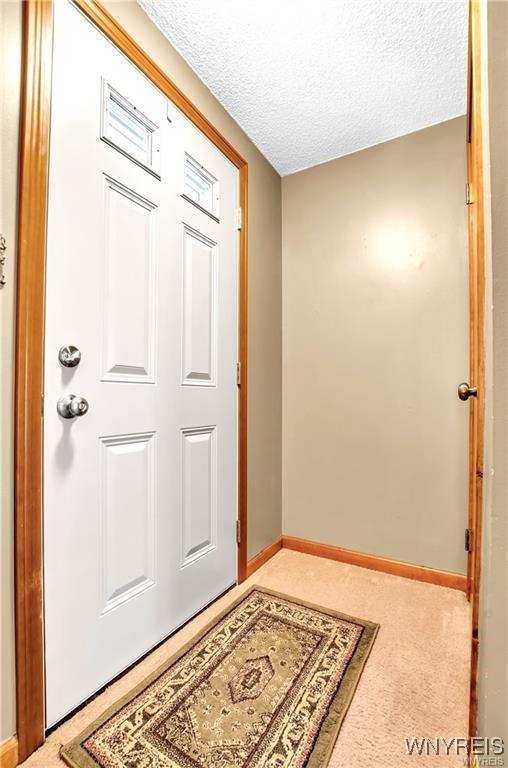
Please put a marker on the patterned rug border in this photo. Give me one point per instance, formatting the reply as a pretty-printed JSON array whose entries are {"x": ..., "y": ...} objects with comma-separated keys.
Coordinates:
[{"x": 76, "y": 757}]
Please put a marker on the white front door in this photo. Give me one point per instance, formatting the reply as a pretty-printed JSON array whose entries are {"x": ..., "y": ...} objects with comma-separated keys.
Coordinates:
[{"x": 140, "y": 489}]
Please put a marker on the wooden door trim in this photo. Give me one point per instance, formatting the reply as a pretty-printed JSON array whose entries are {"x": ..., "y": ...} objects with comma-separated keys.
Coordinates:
[
  {"x": 476, "y": 212},
  {"x": 29, "y": 359},
  {"x": 29, "y": 352}
]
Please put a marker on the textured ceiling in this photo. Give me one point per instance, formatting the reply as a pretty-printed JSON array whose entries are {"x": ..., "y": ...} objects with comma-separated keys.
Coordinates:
[{"x": 311, "y": 81}]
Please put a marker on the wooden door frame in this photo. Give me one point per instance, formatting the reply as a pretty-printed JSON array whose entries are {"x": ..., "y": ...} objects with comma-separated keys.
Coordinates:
[
  {"x": 477, "y": 267},
  {"x": 29, "y": 352}
]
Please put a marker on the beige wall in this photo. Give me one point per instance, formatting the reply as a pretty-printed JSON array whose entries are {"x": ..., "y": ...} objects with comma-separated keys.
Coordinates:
[
  {"x": 264, "y": 494},
  {"x": 375, "y": 341},
  {"x": 10, "y": 59},
  {"x": 493, "y": 678}
]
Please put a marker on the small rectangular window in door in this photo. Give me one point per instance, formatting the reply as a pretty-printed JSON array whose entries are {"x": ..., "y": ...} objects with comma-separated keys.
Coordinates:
[
  {"x": 201, "y": 187},
  {"x": 127, "y": 129}
]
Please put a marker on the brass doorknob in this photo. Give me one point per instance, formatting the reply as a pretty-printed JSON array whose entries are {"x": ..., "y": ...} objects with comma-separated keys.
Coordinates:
[{"x": 465, "y": 391}]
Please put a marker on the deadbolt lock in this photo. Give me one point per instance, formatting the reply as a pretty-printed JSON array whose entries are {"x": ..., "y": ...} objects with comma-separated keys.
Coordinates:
[{"x": 69, "y": 356}]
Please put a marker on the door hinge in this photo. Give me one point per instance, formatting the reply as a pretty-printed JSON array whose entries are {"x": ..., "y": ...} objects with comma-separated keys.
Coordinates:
[
  {"x": 468, "y": 540},
  {"x": 238, "y": 374},
  {"x": 238, "y": 218},
  {"x": 238, "y": 532},
  {"x": 469, "y": 200}
]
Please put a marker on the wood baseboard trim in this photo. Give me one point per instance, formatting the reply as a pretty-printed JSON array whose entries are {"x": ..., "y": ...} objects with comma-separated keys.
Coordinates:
[
  {"x": 263, "y": 556},
  {"x": 375, "y": 563},
  {"x": 9, "y": 753}
]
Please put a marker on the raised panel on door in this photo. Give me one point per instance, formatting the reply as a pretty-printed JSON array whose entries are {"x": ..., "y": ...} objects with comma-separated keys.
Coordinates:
[
  {"x": 128, "y": 481},
  {"x": 199, "y": 485},
  {"x": 199, "y": 332},
  {"x": 129, "y": 293}
]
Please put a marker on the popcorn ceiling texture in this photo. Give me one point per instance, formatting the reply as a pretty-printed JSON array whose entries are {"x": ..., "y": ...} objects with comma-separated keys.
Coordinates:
[{"x": 312, "y": 81}]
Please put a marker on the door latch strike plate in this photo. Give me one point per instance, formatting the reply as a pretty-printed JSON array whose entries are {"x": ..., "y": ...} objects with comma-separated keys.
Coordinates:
[
  {"x": 3, "y": 248},
  {"x": 468, "y": 540},
  {"x": 238, "y": 374},
  {"x": 238, "y": 218},
  {"x": 238, "y": 532},
  {"x": 468, "y": 194}
]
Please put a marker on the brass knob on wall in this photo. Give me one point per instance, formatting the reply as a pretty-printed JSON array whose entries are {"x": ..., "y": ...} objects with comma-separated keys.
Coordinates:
[{"x": 465, "y": 391}]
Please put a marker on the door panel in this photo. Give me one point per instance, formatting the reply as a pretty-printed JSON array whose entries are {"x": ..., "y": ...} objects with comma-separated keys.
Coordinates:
[
  {"x": 199, "y": 488},
  {"x": 130, "y": 224},
  {"x": 199, "y": 312},
  {"x": 140, "y": 492},
  {"x": 127, "y": 517}
]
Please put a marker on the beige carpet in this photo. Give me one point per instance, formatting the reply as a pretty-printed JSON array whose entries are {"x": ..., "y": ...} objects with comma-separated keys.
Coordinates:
[{"x": 416, "y": 682}]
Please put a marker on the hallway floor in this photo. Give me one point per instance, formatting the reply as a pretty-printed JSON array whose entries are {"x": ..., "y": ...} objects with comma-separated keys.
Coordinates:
[{"x": 415, "y": 683}]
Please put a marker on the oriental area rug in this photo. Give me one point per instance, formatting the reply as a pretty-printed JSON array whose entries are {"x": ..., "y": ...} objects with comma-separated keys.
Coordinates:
[{"x": 266, "y": 685}]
